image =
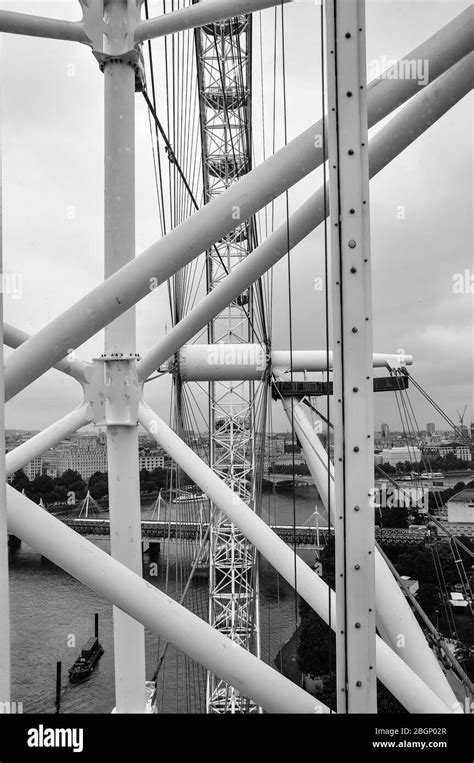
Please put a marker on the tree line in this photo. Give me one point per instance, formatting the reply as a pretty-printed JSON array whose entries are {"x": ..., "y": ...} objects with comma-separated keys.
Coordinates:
[
  {"x": 448, "y": 463},
  {"x": 70, "y": 485}
]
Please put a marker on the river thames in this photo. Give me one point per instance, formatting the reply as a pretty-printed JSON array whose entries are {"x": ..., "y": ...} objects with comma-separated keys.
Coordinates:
[{"x": 53, "y": 616}]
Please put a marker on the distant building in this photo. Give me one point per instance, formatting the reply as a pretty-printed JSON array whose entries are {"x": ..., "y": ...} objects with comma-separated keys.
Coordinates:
[
  {"x": 459, "y": 450},
  {"x": 385, "y": 429},
  {"x": 395, "y": 455},
  {"x": 461, "y": 513},
  {"x": 447, "y": 447},
  {"x": 34, "y": 468},
  {"x": 291, "y": 446},
  {"x": 56, "y": 457},
  {"x": 463, "y": 452},
  {"x": 85, "y": 460},
  {"x": 431, "y": 429},
  {"x": 88, "y": 441},
  {"x": 150, "y": 461}
]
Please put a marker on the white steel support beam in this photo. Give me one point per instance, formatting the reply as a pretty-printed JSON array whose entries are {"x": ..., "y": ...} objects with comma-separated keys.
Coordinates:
[
  {"x": 39, "y": 26},
  {"x": 394, "y": 615},
  {"x": 142, "y": 601},
  {"x": 48, "y": 438},
  {"x": 411, "y": 122},
  {"x": 70, "y": 366},
  {"x": 198, "y": 15},
  {"x": 352, "y": 355},
  {"x": 120, "y": 358},
  {"x": 161, "y": 614},
  {"x": 400, "y": 679},
  {"x": 161, "y": 260},
  {"x": 4, "y": 583},
  {"x": 135, "y": 280},
  {"x": 236, "y": 362}
]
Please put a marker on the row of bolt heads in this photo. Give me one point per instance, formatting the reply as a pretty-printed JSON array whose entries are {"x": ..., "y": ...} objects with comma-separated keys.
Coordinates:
[{"x": 119, "y": 355}]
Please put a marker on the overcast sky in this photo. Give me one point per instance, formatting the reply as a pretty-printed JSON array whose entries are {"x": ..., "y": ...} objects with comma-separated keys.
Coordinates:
[{"x": 52, "y": 147}]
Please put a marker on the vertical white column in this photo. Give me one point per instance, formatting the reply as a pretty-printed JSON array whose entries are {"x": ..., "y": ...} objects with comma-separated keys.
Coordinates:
[
  {"x": 352, "y": 355},
  {"x": 120, "y": 337},
  {"x": 4, "y": 587}
]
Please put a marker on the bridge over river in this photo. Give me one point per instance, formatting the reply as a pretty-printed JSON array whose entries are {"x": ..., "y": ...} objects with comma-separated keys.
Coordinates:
[{"x": 302, "y": 536}]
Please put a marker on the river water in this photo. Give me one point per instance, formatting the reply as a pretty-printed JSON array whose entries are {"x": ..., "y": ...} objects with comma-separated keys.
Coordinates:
[{"x": 53, "y": 616}]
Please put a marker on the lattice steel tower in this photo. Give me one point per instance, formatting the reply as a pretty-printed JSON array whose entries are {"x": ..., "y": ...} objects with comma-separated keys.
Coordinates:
[{"x": 224, "y": 71}]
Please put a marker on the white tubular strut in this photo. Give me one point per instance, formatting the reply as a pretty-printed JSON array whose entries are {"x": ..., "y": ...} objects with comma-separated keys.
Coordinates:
[
  {"x": 399, "y": 678},
  {"x": 149, "y": 606},
  {"x": 252, "y": 192},
  {"x": 393, "y": 610}
]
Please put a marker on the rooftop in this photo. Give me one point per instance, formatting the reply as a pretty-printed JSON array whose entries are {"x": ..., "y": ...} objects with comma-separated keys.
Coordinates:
[{"x": 465, "y": 496}]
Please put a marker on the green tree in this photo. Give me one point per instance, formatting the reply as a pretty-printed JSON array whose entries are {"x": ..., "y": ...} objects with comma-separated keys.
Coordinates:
[
  {"x": 160, "y": 477},
  {"x": 72, "y": 482},
  {"x": 147, "y": 483},
  {"x": 42, "y": 487},
  {"x": 20, "y": 481},
  {"x": 428, "y": 598},
  {"x": 98, "y": 485},
  {"x": 396, "y": 516}
]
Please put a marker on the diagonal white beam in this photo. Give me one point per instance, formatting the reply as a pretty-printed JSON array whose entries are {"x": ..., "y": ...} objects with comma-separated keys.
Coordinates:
[
  {"x": 77, "y": 369},
  {"x": 394, "y": 615},
  {"x": 5, "y": 651},
  {"x": 398, "y": 677},
  {"x": 148, "y": 605},
  {"x": 239, "y": 362},
  {"x": 209, "y": 224},
  {"x": 437, "y": 54},
  {"x": 40, "y": 26},
  {"x": 442, "y": 49},
  {"x": 48, "y": 438},
  {"x": 198, "y": 15},
  {"x": 135, "y": 280},
  {"x": 404, "y": 128}
]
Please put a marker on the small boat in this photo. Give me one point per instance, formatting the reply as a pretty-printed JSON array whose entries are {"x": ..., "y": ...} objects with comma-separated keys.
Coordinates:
[
  {"x": 89, "y": 657},
  {"x": 190, "y": 498},
  {"x": 87, "y": 660}
]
